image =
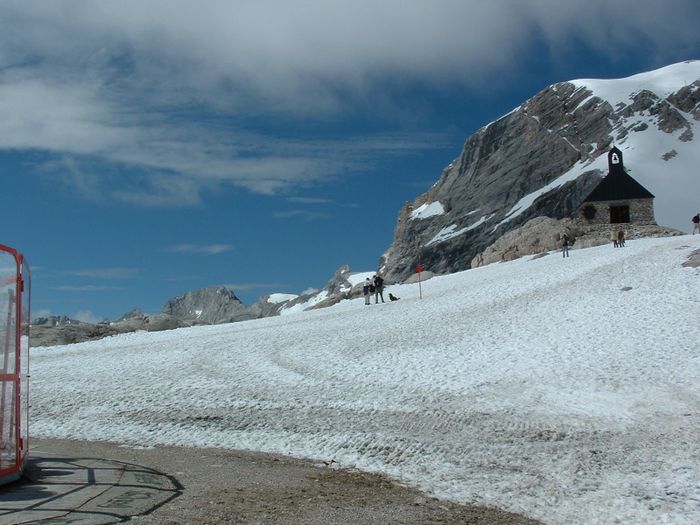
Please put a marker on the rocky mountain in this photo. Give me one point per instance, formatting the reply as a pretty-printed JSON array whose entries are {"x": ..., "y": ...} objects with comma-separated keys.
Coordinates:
[
  {"x": 60, "y": 331},
  {"x": 54, "y": 320},
  {"x": 509, "y": 193},
  {"x": 217, "y": 304},
  {"x": 544, "y": 157}
]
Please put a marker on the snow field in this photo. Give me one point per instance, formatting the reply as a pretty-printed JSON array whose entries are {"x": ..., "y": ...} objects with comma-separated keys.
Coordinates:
[{"x": 564, "y": 389}]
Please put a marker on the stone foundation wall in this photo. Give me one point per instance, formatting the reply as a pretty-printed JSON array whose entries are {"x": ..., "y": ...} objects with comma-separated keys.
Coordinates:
[
  {"x": 641, "y": 212},
  {"x": 543, "y": 235}
]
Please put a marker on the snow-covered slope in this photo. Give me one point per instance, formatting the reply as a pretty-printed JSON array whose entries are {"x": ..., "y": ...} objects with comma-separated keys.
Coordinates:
[
  {"x": 663, "y": 157},
  {"x": 565, "y": 389},
  {"x": 662, "y": 82},
  {"x": 547, "y": 155}
]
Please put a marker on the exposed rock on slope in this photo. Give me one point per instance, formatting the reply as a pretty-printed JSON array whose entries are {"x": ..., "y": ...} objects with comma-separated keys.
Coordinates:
[
  {"x": 216, "y": 304},
  {"x": 542, "y": 159},
  {"x": 508, "y": 194},
  {"x": 48, "y": 334},
  {"x": 544, "y": 234}
]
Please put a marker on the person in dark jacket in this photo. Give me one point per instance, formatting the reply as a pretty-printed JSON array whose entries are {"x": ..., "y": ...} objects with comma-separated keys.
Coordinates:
[
  {"x": 365, "y": 290},
  {"x": 565, "y": 246},
  {"x": 620, "y": 238},
  {"x": 696, "y": 223},
  {"x": 378, "y": 288}
]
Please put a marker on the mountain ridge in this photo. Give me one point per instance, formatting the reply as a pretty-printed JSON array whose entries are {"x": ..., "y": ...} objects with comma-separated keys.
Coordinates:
[
  {"x": 545, "y": 156},
  {"x": 540, "y": 160}
]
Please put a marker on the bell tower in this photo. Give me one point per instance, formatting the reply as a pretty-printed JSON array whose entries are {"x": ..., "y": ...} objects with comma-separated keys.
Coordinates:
[{"x": 615, "y": 166}]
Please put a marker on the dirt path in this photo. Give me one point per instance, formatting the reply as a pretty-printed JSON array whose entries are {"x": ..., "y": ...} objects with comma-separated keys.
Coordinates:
[{"x": 236, "y": 487}]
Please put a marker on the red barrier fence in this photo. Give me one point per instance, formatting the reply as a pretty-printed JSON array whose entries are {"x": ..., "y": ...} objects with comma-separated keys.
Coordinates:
[{"x": 15, "y": 293}]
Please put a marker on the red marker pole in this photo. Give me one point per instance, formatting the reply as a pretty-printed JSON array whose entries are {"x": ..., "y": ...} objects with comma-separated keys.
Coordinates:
[{"x": 419, "y": 269}]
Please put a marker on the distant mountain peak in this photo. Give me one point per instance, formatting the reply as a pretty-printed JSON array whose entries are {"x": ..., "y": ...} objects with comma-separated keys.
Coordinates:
[{"x": 215, "y": 304}]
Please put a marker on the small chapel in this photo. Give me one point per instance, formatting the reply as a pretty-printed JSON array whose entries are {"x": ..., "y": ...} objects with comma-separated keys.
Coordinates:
[{"x": 618, "y": 199}]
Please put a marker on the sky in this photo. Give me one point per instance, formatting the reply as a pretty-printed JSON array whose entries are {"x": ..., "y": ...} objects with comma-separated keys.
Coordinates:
[
  {"x": 152, "y": 148},
  {"x": 565, "y": 389}
]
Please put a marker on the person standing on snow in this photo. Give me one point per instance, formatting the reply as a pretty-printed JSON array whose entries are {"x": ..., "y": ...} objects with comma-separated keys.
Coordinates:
[
  {"x": 565, "y": 246},
  {"x": 378, "y": 288},
  {"x": 696, "y": 223},
  {"x": 365, "y": 290},
  {"x": 620, "y": 238}
]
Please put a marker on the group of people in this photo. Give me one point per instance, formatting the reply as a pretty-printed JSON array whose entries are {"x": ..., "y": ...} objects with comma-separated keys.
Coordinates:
[
  {"x": 373, "y": 287},
  {"x": 618, "y": 238}
]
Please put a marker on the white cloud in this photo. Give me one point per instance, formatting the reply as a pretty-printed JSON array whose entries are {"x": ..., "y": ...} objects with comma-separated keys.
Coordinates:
[
  {"x": 86, "y": 316},
  {"x": 304, "y": 214},
  {"x": 281, "y": 49},
  {"x": 205, "y": 249},
  {"x": 163, "y": 88},
  {"x": 105, "y": 273},
  {"x": 86, "y": 288},
  {"x": 44, "y": 312},
  {"x": 309, "y": 200},
  {"x": 253, "y": 286}
]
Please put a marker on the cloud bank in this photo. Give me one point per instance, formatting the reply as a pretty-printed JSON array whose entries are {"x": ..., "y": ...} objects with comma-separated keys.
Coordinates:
[
  {"x": 157, "y": 98},
  {"x": 202, "y": 249}
]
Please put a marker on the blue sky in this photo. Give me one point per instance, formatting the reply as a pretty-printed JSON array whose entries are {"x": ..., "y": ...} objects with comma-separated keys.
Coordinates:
[{"x": 151, "y": 148}]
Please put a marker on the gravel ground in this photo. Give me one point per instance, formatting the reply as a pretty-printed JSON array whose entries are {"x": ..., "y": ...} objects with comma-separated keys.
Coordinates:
[{"x": 241, "y": 487}]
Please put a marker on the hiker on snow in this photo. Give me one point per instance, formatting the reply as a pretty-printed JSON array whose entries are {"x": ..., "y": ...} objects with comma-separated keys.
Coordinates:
[
  {"x": 365, "y": 290},
  {"x": 378, "y": 288},
  {"x": 696, "y": 223},
  {"x": 620, "y": 238},
  {"x": 565, "y": 246}
]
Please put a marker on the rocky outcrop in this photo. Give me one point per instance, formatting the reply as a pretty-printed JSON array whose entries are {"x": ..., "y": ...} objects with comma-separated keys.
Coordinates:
[
  {"x": 509, "y": 193},
  {"x": 211, "y": 305},
  {"x": 539, "y": 235},
  {"x": 47, "y": 334},
  {"x": 54, "y": 320},
  {"x": 538, "y": 160},
  {"x": 499, "y": 165},
  {"x": 338, "y": 288},
  {"x": 136, "y": 313},
  {"x": 216, "y": 304},
  {"x": 542, "y": 235}
]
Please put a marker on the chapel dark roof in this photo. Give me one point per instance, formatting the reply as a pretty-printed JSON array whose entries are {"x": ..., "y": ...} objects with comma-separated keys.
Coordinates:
[{"x": 617, "y": 185}]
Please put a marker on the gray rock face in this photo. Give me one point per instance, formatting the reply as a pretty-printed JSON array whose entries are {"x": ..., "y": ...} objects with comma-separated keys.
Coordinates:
[
  {"x": 480, "y": 192},
  {"x": 335, "y": 290},
  {"x": 264, "y": 308},
  {"x": 537, "y": 236},
  {"x": 216, "y": 304},
  {"x": 46, "y": 334},
  {"x": 339, "y": 283},
  {"x": 542, "y": 235},
  {"x": 474, "y": 214},
  {"x": 54, "y": 320},
  {"x": 136, "y": 313}
]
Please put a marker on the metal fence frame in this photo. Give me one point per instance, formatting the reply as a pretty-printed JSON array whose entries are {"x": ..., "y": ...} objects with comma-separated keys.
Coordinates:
[{"x": 15, "y": 292}]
